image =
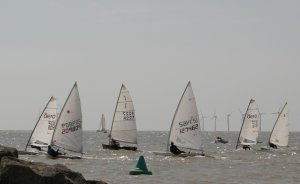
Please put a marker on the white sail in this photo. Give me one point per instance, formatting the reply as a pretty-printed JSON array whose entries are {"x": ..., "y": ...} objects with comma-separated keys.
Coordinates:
[
  {"x": 68, "y": 131},
  {"x": 280, "y": 132},
  {"x": 249, "y": 130},
  {"x": 43, "y": 130},
  {"x": 123, "y": 127},
  {"x": 185, "y": 129},
  {"x": 103, "y": 123}
]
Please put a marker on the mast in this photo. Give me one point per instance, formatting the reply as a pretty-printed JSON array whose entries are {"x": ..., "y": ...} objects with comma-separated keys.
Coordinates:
[
  {"x": 52, "y": 98},
  {"x": 279, "y": 115},
  {"x": 112, "y": 123},
  {"x": 63, "y": 113},
  {"x": 237, "y": 143},
  {"x": 189, "y": 83}
]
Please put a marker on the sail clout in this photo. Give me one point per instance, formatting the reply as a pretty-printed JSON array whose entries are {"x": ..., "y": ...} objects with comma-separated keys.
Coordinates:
[
  {"x": 280, "y": 132},
  {"x": 249, "y": 130},
  {"x": 44, "y": 128},
  {"x": 68, "y": 131},
  {"x": 185, "y": 129},
  {"x": 123, "y": 127}
]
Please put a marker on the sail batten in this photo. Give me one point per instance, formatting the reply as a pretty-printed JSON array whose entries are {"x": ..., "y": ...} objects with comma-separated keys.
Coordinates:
[
  {"x": 185, "y": 128},
  {"x": 123, "y": 127},
  {"x": 68, "y": 131}
]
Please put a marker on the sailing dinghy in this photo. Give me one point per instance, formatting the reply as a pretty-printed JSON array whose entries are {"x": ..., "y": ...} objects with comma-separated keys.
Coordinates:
[
  {"x": 67, "y": 136},
  {"x": 102, "y": 125},
  {"x": 123, "y": 128},
  {"x": 185, "y": 130},
  {"x": 249, "y": 130},
  {"x": 280, "y": 132},
  {"x": 42, "y": 133}
]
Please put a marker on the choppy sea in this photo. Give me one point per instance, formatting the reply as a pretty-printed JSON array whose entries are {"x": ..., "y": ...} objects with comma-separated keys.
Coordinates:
[{"x": 229, "y": 165}]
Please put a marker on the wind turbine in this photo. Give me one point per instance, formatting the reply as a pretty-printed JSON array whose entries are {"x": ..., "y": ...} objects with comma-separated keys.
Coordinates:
[
  {"x": 202, "y": 117},
  {"x": 228, "y": 116},
  {"x": 260, "y": 115},
  {"x": 215, "y": 117},
  {"x": 278, "y": 112},
  {"x": 243, "y": 115}
]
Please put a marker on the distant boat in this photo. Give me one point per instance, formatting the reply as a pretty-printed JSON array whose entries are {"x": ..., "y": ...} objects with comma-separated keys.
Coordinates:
[
  {"x": 123, "y": 128},
  {"x": 220, "y": 140},
  {"x": 185, "y": 131},
  {"x": 280, "y": 132},
  {"x": 42, "y": 133},
  {"x": 67, "y": 136},
  {"x": 102, "y": 125},
  {"x": 249, "y": 130}
]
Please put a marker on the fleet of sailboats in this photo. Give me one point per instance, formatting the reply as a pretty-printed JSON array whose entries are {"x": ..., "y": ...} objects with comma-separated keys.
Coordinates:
[
  {"x": 64, "y": 131},
  {"x": 249, "y": 130},
  {"x": 123, "y": 133},
  {"x": 185, "y": 131},
  {"x": 67, "y": 134}
]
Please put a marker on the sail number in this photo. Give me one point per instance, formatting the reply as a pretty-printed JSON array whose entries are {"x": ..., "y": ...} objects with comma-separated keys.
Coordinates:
[
  {"x": 189, "y": 125},
  {"x": 128, "y": 115},
  {"x": 51, "y": 120},
  {"x": 254, "y": 121},
  {"x": 71, "y": 126}
]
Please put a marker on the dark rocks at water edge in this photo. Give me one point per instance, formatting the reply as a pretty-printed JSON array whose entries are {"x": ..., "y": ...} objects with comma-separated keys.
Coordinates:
[
  {"x": 16, "y": 171},
  {"x": 7, "y": 151}
]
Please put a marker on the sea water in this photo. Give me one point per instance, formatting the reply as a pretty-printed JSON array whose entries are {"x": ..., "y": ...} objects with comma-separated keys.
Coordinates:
[{"x": 227, "y": 165}]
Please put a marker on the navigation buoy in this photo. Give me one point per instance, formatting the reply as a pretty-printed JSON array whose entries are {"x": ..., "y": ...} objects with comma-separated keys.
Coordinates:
[{"x": 140, "y": 168}]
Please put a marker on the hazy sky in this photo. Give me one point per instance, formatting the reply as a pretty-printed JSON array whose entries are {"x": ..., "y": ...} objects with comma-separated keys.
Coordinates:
[{"x": 231, "y": 51}]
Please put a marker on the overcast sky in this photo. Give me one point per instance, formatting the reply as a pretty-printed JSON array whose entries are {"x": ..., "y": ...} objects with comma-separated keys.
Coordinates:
[{"x": 231, "y": 51}]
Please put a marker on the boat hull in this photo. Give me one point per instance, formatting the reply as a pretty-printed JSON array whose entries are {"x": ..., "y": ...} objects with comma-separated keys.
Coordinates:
[
  {"x": 113, "y": 147},
  {"x": 180, "y": 155},
  {"x": 64, "y": 157},
  {"x": 221, "y": 141}
]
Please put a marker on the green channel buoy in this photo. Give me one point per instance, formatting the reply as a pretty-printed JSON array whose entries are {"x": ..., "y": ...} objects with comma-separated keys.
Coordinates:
[{"x": 140, "y": 168}]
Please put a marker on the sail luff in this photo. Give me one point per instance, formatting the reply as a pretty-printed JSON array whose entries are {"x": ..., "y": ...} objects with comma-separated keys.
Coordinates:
[
  {"x": 170, "y": 131},
  {"x": 274, "y": 137},
  {"x": 52, "y": 98},
  {"x": 124, "y": 121},
  {"x": 68, "y": 131},
  {"x": 249, "y": 131},
  {"x": 112, "y": 123},
  {"x": 185, "y": 127}
]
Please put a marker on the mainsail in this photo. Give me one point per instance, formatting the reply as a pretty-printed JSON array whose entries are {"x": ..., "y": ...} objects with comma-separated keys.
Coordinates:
[
  {"x": 123, "y": 128},
  {"x": 249, "y": 130},
  {"x": 68, "y": 132},
  {"x": 43, "y": 130},
  {"x": 185, "y": 128},
  {"x": 280, "y": 133}
]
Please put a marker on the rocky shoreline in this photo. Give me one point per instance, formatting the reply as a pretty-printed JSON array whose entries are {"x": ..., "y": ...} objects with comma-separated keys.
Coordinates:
[{"x": 16, "y": 171}]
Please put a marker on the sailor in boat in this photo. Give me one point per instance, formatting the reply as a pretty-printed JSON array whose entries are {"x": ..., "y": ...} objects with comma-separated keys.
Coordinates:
[
  {"x": 54, "y": 153},
  {"x": 274, "y": 146},
  {"x": 221, "y": 140},
  {"x": 246, "y": 147},
  {"x": 114, "y": 143},
  {"x": 175, "y": 150}
]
